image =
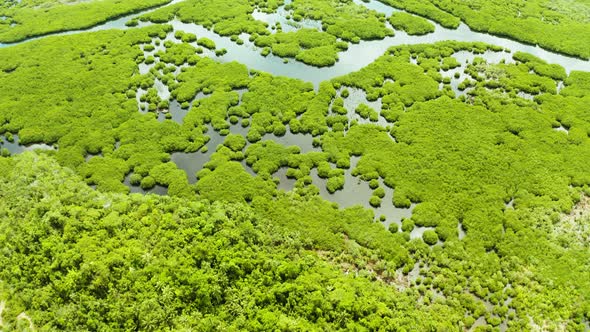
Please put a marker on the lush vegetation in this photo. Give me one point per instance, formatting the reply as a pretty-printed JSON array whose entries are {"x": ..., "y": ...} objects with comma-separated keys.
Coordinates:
[
  {"x": 82, "y": 260},
  {"x": 31, "y": 18},
  {"x": 561, "y": 26},
  {"x": 413, "y": 25},
  {"x": 426, "y": 8},
  {"x": 491, "y": 157},
  {"x": 225, "y": 17},
  {"x": 342, "y": 22},
  {"x": 306, "y": 45},
  {"x": 343, "y": 19},
  {"x": 85, "y": 260}
]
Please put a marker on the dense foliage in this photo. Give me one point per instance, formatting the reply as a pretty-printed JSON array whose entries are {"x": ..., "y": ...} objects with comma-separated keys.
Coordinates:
[
  {"x": 342, "y": 22},
  {"x": 413, "y": 25},
  {"x": 83, "y": 260},
  {"x": 561, "y": 26},
  {"x": 30, "y": 18},
  {"x": 491, "y": 158}
]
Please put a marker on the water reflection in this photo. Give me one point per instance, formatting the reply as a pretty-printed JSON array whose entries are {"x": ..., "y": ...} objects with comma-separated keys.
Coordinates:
[
  {"x": 357, "y": 97},
  {"x": 176, "y": 112},
  {"x": 287, "y": 24},
  {"x": 15, "y": 147},
  {"x": 355, "y": 192},
  {"x": 285, "y": 183},
  {"x": 157, "y": 189},
  {"x": 303, "y": 141},
  {"x": 193, "y": 162},
  {"x": 357, "y": 56}
]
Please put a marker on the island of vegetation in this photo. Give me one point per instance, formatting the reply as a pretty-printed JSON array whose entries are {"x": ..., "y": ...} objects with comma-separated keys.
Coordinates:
[{"x": 150, "y": 180}]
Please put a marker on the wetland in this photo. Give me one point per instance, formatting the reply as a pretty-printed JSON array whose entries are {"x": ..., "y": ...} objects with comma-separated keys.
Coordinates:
[{"x": 327, "y": 136}]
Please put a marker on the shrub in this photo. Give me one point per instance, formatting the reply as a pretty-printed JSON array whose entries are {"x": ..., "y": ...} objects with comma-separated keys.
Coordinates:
[
  {"x": 189, "y": 37},
  {"x": 430, "y": 237},
  {"x": 413, "y": 25},
  {"x": 379, "y": 192},
  {"x": 135, "y": 179},
  {"x": 235, "y": 142},
  {"x": 375, "y": 201},
  {"x": 148, "y": 183},
  {"x": 393, "y": 227},
  {"x": 335, "y": 183},
  {"x": 345, "y": 93},
  {"x": 206, "y": 42},
  {"x": 407, "y": 225}
]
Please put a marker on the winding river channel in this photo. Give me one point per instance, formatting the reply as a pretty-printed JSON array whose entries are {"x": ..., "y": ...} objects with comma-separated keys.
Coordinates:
[{"x": 356, "y": 57}]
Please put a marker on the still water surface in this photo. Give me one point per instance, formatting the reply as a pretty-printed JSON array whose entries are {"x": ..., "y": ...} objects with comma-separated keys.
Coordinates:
[{"x": 356, "y": 57}]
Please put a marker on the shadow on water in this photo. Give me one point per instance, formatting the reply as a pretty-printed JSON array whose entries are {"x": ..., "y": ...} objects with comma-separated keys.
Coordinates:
[
  {"x": 158, "y": 189},
  {"x": 357, "y": 97},
  {"x": 193, "y": 162},
  {"x": 355, "y": 192},
  {"x": 15, "y": 147}
]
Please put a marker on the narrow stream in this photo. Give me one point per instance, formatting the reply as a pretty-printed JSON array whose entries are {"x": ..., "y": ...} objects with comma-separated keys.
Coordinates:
[
  {"x": 356, "y": 57},
  {"x": 118, "y": 23},
  {"x": 362, "y": 54},
  {"x": 15, "y": 147}
]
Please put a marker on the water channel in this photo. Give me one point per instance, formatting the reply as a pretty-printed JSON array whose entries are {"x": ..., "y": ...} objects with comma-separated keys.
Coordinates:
[{"x": 356, "y": 57}]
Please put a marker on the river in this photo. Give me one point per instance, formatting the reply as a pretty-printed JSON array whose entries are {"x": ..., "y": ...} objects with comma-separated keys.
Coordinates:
[{"x": 356, "y": 57}]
